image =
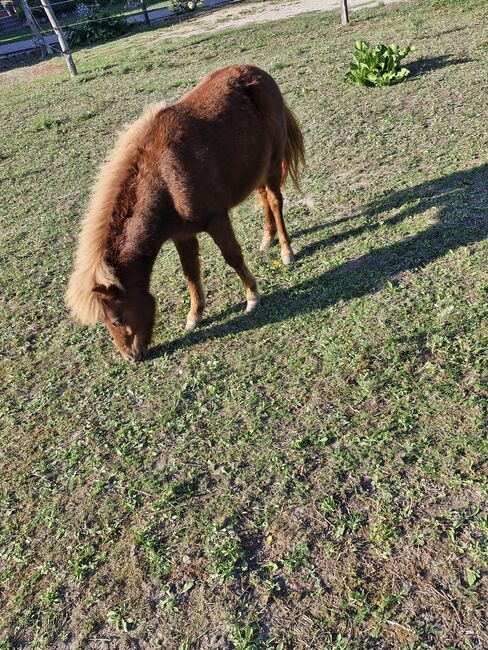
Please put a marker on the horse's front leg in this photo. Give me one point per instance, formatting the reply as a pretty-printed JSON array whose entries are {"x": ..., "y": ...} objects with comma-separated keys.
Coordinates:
[
  {"x": 188, "y": 250},
  {"x": 221, "y": 231}
]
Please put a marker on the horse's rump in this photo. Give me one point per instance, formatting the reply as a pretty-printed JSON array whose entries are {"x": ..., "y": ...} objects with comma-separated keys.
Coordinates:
[{"x": 224, "y": 135}]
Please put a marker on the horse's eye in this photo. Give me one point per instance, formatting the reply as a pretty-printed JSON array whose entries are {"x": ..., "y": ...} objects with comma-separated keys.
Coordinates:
[{"x": 117, "y": 322}]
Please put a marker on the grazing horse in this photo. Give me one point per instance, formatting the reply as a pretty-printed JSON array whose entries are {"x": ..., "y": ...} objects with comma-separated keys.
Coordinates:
[{"x": 174, "y": 173}]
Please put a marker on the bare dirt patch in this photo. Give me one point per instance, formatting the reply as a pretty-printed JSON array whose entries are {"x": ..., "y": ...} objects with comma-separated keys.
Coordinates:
[{"x": 29, "y": 72}]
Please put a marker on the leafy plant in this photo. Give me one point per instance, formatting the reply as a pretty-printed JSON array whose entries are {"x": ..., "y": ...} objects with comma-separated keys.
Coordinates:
[
  {"x": 60, "y": 8},
  {"x": 472, "y": 575},
  {"x": 298, "y": 557},
  {"x": 246, "y": 637},
  {"x": 119, "y": 620},
  {"x": 225, "y": 551},
  {"x": 97, "y": 26},
  {"x": 185, "y": 6},
  {"x": 377, "y": 66}
]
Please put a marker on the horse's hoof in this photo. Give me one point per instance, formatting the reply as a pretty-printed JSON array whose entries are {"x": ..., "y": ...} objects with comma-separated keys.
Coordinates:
[
  {"x": 252, "y": 304},
  {"x": 266, "y": 243},
  {"x": 193, "y": 323},
  {"x": 288, "y": 257}
]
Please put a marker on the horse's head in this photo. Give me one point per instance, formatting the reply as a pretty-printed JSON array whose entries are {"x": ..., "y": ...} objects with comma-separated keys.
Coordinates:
[{"x": 129, "y": 319}]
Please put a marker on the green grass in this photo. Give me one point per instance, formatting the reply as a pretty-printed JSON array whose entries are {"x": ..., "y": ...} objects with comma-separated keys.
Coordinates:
[{"x": 312, "y": 475}]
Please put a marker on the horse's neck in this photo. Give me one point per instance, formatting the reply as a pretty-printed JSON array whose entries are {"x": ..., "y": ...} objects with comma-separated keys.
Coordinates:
[{"x": 135, "y": 251}]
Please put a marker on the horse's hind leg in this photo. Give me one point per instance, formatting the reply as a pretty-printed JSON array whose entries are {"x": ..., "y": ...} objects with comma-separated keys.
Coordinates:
[
  {"x": 222, "y": 233},
  {"x": 269, "y": 230},
  {"x": 275, "y": 200},
  {"x": 188, "y": 250}
]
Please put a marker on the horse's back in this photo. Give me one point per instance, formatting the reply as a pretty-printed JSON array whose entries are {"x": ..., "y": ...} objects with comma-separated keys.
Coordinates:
[
  {"x": 217, "y": 89},
  {"x": 222, "y": 136}
]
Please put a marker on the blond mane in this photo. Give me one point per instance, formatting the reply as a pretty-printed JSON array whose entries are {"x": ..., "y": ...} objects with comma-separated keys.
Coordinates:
[{"x": 90, "y": 267}]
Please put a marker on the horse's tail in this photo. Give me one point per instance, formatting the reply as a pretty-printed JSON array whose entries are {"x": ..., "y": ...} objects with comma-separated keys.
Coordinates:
[{"x": 294, "y": 150}]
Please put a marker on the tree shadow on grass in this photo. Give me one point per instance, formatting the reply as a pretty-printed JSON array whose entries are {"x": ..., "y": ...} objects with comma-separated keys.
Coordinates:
[{"x": 461, "y": 201}]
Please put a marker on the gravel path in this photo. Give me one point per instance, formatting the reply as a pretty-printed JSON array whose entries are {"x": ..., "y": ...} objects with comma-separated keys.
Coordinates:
[{"x": 237, "y": 15}]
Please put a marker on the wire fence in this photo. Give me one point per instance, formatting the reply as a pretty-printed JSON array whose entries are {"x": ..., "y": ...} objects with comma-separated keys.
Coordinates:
[
  {"x": 137, "y": 13},
  {"x": 134, "y": 13},
  {"x": 71, "y": 2},
  {"x": 126, "y": 11},
  {"x": 8, "y": 17},
  {"x": 85, "y": 21}
]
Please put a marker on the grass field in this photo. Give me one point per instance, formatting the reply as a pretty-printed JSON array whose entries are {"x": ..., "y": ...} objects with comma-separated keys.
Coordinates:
[{"x": 313, "y": 475}]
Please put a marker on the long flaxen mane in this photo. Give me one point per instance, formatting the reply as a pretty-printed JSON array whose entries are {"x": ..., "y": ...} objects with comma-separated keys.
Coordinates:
[{"x": 90, "y": 267}]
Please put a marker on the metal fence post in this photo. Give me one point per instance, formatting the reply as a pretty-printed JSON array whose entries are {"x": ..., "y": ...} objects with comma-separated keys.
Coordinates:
[{"x": 146, "y": 15}]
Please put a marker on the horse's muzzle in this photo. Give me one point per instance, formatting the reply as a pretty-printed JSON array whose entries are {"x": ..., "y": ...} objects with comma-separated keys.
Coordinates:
[{"x": 136, "y": 355}]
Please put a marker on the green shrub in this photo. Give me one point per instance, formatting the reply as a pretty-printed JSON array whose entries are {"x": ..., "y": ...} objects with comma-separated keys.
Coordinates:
[
  {"x": 185, "y": 6},
  {"x": 379, "y": 66},
  {"x": 60, "y": 9},
  {"x": 98, "y": 26}
]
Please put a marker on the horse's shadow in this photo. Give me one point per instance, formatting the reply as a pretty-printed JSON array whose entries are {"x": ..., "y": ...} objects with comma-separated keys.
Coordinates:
[{"x": 461, "y": 201}]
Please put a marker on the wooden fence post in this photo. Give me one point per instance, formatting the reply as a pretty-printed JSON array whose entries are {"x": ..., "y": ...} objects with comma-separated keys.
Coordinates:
[
  {"x": 59, "y": 33},
  {"x": 344, "y": 13}
]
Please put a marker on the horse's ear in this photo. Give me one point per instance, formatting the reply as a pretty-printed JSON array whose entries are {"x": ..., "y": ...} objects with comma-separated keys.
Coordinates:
[{"x": 107, "y": 293}]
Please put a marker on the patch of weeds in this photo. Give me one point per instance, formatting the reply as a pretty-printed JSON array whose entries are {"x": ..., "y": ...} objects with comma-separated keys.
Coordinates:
[
  {"x": 344, "y": 521},
  {"x": 478, "y": 548},
  {"x": 454, "y": 522},
  {"x": 299, "y": 557},
  {"x": 246, "y": 636},
  {"x": 51, "y": 596},
  {"x": 278, "y": 66},
  {"x": 172, "y": 598},
  {"x": 456, "y": 3},
  {"x": 84, "y": 116},
  {"x": 383, "y": 530},
  {"x": 175, "y": 492},
  {"x": 312, "y": 440},
  {"x": 365, "y": 605},
  {"x": 46, "y": 123},
  {"x": 225, "y": 551},
  {"x": 338, "y": 642},
  {"x": 384, "y": 607},
  {"x": 119, "y": 620},
  {"x": 472, "y": 576},
  {"x": 152, "y": 546},
  {"x": 416, "y": 23},
  {"x": 84, "y": 562},
  {"x": 129, "y": 441}
]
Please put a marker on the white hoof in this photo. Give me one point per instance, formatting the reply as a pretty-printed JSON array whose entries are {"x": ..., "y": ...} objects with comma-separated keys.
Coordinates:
[
  {"x": 288, "y": 257},
  {"x": 267, "y": 243},
  {"x": 252, "y": 304},
  {"x": 193, "y": 322}
]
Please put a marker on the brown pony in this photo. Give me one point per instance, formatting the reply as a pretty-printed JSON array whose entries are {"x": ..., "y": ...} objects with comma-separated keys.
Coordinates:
[{"x": 174, "y": 173}]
